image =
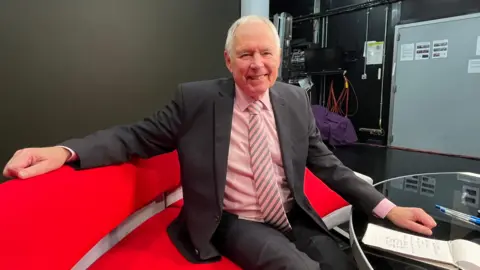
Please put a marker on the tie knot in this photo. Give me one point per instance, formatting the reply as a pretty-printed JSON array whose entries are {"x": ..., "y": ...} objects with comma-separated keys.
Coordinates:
[{"x": 255, "y": 107}]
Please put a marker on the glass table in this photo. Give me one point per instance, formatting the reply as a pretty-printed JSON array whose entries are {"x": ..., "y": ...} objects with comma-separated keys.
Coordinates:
[{"x": 457, "y": 191}]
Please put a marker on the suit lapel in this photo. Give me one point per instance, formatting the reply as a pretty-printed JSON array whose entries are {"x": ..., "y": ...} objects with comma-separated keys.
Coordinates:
[
  {"x": 223, "y": 112},
  {"x": 282, "y": 121}
]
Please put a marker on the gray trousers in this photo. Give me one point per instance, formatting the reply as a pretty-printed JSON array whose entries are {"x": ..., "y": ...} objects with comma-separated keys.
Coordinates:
[{"x": 256, "y": 246}]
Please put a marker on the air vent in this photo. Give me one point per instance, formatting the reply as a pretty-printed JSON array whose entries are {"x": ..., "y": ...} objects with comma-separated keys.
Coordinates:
[
  {"x": 427, "y": 186},
  {"x": 470, "y": 196},
  {"x": 411, "y": 183}
]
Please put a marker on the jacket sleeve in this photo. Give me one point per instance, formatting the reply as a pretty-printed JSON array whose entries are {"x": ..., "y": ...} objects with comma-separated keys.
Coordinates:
[
  {"x": 149, "y": 137},
  {"x": 326, "y": 166}
]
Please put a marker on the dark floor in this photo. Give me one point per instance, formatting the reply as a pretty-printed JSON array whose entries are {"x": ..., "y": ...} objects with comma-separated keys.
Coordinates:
[{"x": 382, "y": 163}]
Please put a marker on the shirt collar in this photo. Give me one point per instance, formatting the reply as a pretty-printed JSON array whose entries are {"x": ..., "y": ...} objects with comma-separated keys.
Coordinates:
[{"x": 243, "y": 101}]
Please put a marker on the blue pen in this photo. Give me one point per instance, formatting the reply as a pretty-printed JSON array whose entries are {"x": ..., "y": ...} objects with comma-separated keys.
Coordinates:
[
  {"x": 459, "y": 215},
  {"x": 463, "y": 218}
]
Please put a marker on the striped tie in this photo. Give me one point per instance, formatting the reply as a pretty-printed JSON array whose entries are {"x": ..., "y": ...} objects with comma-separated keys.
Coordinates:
[{"x": 268, "y": 192}]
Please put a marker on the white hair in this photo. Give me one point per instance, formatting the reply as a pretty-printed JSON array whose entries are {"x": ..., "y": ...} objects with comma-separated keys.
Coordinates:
[{"x": 246, "y": 19}]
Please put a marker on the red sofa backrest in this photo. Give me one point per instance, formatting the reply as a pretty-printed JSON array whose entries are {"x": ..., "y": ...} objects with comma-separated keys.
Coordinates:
[
  {"x": 323, "y": 200},
  {"x": 163, "y": 168}
]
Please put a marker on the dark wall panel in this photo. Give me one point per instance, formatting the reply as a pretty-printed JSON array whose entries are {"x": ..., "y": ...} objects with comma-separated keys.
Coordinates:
[
  {"x": 342, "y": 3},
  {"x": 296, "y": 8},
  {"x": 422, "y": 10},
  {"x": 349, "y": 32},
  {"x": 68, "y": 68}
]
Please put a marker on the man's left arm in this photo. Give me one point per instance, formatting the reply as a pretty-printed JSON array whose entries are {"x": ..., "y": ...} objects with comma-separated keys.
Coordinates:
[{"x": 326, "y": 166}]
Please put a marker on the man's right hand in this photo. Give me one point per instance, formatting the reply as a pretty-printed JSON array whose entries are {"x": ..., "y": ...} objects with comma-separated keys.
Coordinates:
[{"x": 29, "y": 162}]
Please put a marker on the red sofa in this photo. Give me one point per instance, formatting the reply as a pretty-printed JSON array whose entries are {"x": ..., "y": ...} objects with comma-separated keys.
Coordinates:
[{"x": 113, "y": 217}]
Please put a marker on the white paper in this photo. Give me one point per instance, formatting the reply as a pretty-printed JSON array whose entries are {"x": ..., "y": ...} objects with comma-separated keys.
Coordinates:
[
  {"x": 407, "y": 51},
  {"x": 465, "y": 253},
  {"x": 474, "y": 66},
  {"x": 375, "y": 52},
  {"x": 478, "y": 45},
  {"x": 440, "y": 49},
  {"x": 422, "y": 51},
  {"x": 305, "y": 83},
  {"x": 407, "y": 244}
]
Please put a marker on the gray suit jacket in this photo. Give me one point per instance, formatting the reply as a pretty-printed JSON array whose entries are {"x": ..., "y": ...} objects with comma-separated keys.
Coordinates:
[{"x": 197, "y": 123}]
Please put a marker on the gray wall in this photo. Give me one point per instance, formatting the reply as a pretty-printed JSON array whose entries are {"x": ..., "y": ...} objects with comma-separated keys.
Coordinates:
[
  {"x": 68, "y": 68},
  {"x": 435, "y": 106}
]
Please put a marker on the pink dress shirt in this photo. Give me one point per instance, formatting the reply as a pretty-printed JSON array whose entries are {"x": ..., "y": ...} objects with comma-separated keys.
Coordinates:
[{"x": 240, "y": 196}]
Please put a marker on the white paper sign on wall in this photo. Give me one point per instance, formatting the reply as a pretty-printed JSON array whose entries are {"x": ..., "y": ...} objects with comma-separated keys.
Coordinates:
[
  {"x": 422, "y": 51},
  {"x": 440, "y": 49}
]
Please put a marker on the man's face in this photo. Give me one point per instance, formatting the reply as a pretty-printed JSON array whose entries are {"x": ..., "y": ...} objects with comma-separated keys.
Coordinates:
[{"x": 254, "y": 59}]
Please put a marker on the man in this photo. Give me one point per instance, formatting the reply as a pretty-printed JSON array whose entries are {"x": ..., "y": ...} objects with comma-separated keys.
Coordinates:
[{"x": 243, "y": 146}]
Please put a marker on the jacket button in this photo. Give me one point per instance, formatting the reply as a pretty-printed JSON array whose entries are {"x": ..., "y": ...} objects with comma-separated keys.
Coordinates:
[
  {"x": 196, "y": 251},
  {"x": 217, "y": 219}
]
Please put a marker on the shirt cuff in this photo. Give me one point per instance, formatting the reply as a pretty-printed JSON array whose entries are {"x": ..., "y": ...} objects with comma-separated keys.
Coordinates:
[
  {"x": 382, "y": 209},
  {"x": 73, "y": 156}
]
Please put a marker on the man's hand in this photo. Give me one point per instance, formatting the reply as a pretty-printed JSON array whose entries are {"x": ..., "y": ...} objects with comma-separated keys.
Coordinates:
[
  {"x": 31, "y": 162},
  {"x": 414, "y": 219}
]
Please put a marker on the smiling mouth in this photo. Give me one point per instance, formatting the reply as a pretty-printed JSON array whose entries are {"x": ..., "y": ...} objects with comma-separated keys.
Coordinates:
[{"x": 257, "y": 77}]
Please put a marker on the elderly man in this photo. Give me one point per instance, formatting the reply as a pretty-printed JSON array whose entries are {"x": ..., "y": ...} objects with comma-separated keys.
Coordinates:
[{"x": 243, "y": 145}]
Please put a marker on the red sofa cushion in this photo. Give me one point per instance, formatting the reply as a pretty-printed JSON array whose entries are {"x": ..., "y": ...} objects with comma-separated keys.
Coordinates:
[
  {"x": 149, "y": 247},
  {"x": 323, "y": 199},
  {"x": 54, "y": 211},
  {"x": 52, "y": 220}
]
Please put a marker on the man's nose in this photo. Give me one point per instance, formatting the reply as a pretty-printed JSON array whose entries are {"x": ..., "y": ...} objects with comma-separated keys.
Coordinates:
[{"x": 257, "y": 61}]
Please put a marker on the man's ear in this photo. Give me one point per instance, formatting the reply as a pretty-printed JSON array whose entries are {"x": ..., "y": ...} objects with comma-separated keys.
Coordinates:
[{"x": 228, "y": 60}]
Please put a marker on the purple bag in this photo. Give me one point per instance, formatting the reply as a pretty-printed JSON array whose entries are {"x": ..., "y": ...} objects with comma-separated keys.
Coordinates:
[{"x": 335, "y": 129}]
